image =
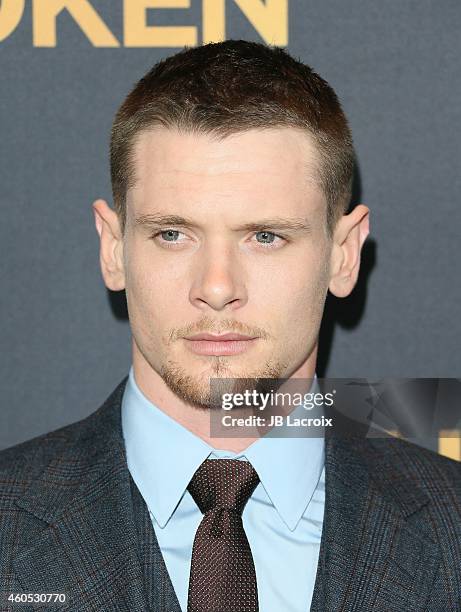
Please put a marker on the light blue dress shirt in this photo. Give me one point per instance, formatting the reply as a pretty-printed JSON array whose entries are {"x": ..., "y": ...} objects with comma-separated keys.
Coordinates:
[{"x": 283, "y": 518}]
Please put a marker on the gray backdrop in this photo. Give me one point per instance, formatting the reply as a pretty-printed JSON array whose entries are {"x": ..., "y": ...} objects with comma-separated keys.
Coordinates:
[{"x": 65, "y": 342}]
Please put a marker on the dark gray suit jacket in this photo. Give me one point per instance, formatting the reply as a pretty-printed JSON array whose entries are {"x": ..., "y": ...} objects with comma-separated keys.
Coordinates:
[{"x": 72, "y": 521}]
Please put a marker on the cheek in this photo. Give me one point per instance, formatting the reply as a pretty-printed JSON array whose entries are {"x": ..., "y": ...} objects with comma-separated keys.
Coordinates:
[
  {"x": 149, "y": 291},
  {"x": 148, "y": 279},
  {"x": 295, "y": 297}
]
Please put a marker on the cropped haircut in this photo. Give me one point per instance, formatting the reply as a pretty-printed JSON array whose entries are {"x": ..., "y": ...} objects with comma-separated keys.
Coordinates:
[{"x": 229, "y": 87}]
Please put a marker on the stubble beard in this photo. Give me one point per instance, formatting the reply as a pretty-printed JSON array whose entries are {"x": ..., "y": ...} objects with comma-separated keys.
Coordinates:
[{"x": 204, "y": 391}]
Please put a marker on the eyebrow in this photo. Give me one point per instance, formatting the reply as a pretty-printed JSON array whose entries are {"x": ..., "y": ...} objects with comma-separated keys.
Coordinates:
[{"x": 294, "y": 224}]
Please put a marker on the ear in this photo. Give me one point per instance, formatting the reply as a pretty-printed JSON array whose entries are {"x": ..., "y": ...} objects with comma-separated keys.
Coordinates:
[
  {"x": 349, "y": 235},
  {"x": 111, "y": 245}
]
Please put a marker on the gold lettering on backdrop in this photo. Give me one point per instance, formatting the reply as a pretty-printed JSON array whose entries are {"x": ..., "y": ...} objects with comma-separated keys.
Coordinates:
[
  {"x": 44, "y": 17},
  {"x": 269, "y": 18},
  {"x": 10, "y": 15},
  {"x": 139, "y": 34},
  {"x": 450, "y": 443}
]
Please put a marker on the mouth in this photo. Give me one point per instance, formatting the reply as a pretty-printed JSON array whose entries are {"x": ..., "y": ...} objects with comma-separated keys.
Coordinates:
[{"x": 224, "y": 344}]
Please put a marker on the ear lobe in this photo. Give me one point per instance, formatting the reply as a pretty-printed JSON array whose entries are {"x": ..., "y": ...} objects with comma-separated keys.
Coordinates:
[{"x": 349, "y": 237}]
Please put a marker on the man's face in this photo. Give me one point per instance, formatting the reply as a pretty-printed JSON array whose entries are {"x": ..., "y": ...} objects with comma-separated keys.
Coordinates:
[{"x": 218, "y": 276}]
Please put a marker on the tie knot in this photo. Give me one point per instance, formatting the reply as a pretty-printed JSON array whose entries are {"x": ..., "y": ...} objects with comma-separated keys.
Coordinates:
[{"x": 223, "y": 483}]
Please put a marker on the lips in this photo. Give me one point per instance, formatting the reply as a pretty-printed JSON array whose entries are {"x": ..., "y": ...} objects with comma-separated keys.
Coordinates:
[
  {"x": 225, "y": 344},
  {"x": 220, "y": 338}
]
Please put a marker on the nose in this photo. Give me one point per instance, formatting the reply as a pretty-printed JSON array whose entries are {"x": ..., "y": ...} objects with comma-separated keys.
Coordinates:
[{"x": 218, "y": 280}]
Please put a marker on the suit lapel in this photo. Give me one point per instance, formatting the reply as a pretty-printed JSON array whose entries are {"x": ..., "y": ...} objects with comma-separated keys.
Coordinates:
[
  {"x": 158, "y": 585},
  {"x": 375, "y": 553},
  {"x": 81, "y": 530}
]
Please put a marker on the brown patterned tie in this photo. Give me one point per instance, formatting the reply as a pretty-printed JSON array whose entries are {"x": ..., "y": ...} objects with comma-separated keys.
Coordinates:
[{"x": 222, "y": 576}]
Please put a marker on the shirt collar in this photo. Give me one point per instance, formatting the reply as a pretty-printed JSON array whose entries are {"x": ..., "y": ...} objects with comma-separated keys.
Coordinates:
[
  {"x": 163, "y": 456},
  {"x": 289, "y": 466}
]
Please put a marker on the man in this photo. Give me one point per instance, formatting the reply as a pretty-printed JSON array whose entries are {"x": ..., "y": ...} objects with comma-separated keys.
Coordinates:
[{"x": 231, "y": 168}]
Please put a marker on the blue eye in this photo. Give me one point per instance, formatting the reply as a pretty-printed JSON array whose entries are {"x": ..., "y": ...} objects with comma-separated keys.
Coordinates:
[
  {"x": 264, "y": 233},
  {"x": 268, "y": 238},
  {"x": 172, "y": 235}
]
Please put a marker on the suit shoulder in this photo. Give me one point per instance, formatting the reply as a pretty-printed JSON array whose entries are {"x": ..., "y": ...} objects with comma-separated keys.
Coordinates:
[
  {"x": 59, "y": 451},
  {"x": 417, "y": 463},
  {"x": 22, "y": 463},
  {"x": 29, "y": 457},
  {"x": 38, "y": 451}
]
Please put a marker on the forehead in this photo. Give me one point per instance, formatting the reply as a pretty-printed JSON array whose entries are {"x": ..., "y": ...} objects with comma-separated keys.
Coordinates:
[{"x": 273, "y": 164}]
